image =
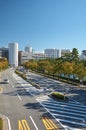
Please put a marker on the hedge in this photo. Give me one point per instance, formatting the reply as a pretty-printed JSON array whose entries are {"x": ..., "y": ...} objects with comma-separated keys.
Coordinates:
[{"x": 58, "y": 95}]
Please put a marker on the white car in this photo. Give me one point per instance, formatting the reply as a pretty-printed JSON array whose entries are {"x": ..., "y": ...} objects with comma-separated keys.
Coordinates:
[{"x": 6, "y": 81}]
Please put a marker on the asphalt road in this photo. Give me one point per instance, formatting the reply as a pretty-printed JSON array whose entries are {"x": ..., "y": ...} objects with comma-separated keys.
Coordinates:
[
  {"x": 71, "y": 114},
  {"x": 18, "y": 103},
  {"x": 29, "y": 108},
  {"x": 49, "y": 85}
]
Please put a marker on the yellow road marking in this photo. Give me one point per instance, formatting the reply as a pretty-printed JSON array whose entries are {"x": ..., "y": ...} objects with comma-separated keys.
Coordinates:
[
  {"x": 1, "y": 89},
  {"x": 20, "y": 125},
  {"x": 23, "y": 125},
  {"x": 48, "y": 123}
]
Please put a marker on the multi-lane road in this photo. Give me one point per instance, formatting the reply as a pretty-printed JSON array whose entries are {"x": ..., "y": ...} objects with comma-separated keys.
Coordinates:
[
  {"x": 28, "y": 108},
  {"x": 75, "y": 93},
  {"x": 20, "y": 107}
]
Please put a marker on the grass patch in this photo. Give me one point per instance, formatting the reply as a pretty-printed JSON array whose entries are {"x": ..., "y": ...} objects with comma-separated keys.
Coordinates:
[
  {"x": 1, "y": 124},
  {"x": 58, "y": 95}
]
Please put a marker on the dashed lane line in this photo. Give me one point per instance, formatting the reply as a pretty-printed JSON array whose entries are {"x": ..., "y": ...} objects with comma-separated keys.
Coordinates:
[
  {"x": 34, "y": 123},
  {"x": 19, "y": 97},
  {"x": 12, "y": 86}
]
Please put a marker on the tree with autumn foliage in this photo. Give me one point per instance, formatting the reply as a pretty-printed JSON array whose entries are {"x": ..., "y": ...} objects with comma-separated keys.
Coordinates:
[
  {"x": 67, "y": 68},
  {"x": 3, "y": 63},
  {"x": 67, "y": 65}
]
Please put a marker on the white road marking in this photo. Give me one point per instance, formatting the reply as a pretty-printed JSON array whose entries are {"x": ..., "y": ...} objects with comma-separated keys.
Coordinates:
[
  {"x": 64, "y": 110},
  {"x": 60, "y": 108},
  {"x": 9, "y": 126},
  {"x": 19, "y": 97},
  {"x": 12, "y": 86},
  {"x": 72, "y": 122},
  {"x": 34, "y": 123},
  {"x": 53, "y": 116},
  {"x": 70, "y": 103},
  {"x": 71, "y": 117}
]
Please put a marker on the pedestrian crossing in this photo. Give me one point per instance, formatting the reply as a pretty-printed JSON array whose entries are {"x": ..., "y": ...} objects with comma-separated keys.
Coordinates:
[{"x": 71, "y": 114}]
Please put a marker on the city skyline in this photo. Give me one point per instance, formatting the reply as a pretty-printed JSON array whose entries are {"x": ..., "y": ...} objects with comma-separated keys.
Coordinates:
[
  {"x": 43, "y": 24},
  {"x": 40, "y": 51}
]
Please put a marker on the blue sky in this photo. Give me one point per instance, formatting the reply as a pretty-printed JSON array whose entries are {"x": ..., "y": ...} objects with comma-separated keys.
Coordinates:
[{"x": 43, "y": 23}]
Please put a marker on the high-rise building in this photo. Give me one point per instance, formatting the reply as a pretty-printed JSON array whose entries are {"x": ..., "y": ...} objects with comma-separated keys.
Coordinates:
[
  {"x": 52, "y": 53},
  {"x": 4, "y": 52},
  {"x": 28, "y": 49},
  {"x": 13, "y": 54}
]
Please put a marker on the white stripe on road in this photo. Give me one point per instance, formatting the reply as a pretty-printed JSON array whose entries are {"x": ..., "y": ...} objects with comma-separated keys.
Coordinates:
[
  {"x": 80, "y": 108},
  {"x": 49, "y": 107},
  {"x": 53, "y": 116},
  {"x": 19, "y": 97},
  {"x": 58, "y": 107},
  {"x": 72, "y": 122},
  {"x": 70, "y": 103},
  {"x": 71, "y": 117},
  {"x": 9, "y": 126},
  {"x": 12, "y": 86},
  {"x": 64, "y": 112},
  {"x": 34, "y": 123}
]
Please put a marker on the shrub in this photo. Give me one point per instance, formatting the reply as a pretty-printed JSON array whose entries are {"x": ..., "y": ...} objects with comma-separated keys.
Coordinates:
[{"x": 58, "y": 95}]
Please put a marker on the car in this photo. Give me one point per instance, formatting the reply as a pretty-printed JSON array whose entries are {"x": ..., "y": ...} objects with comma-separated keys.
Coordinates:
[{"x": 6, "y": 81}]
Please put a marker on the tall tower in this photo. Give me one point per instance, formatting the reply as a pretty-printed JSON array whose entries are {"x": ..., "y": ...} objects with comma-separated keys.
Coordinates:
[{"x": 13, "y": 54}]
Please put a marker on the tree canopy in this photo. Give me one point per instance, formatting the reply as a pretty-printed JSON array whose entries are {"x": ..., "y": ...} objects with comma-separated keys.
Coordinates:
[{"x": 67, "y": 65}]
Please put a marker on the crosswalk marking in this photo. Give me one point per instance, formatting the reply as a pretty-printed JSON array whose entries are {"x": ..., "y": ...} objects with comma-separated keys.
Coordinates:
[
  {"x": 64, "y": 108},
  {"x": 49, "y": 125},
  {"x": 23, "y": 125},
  {"x": 67, "y": 105},
  {"x": 66, "y": 112},
  {"x": 71, "y": 114},
  {"x": 70, "y": 103},
  {"x": 72, "y": 122}
]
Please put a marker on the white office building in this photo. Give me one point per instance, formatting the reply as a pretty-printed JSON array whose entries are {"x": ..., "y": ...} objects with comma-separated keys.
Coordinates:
[
  {"x": 28, "y": 49},
  {"x": 13, "y": 54},
  {"x": 25, "y": 56},
  {"x": 52, "y": 53},
  {"x": 39, "y": 56}
]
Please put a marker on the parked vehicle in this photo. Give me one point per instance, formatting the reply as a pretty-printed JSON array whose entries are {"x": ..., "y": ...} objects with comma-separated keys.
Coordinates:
[{"x": 6, "y": 81}]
